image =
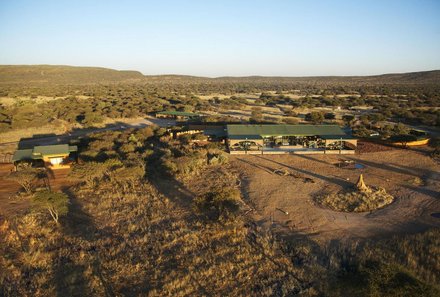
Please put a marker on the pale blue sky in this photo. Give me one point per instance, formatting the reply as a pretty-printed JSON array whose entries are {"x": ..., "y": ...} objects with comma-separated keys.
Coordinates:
[{"x": 216, "y": 38}]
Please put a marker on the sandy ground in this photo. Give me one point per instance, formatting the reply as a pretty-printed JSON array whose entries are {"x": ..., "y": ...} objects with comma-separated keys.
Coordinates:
[
  {"x": 16, "y": 135},
  {"x": 10, "y": 204},
  {"x": 270, "y": 195}
]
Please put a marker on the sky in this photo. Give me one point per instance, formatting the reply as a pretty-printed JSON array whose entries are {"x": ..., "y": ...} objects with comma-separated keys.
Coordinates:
[{"x": 225, "y": 38}]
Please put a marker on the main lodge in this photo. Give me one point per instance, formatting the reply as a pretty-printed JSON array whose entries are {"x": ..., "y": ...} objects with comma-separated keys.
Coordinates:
[
  {"x": 279, "y": 139},
  {"x": 50, "y": 156}
]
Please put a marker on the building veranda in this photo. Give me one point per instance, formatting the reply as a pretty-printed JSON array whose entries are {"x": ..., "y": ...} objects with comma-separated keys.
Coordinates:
[{"x": 279, "y": 139}]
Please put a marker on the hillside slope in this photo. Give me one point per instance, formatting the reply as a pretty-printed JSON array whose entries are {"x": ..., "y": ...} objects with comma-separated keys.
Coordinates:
[
  {"x": 63, "y": 74},
  {"x": 421, "y": 77}
]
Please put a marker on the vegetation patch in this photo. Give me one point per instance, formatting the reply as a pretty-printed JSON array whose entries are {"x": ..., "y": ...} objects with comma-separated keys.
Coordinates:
[
  {"x": 377, "y": 279},
  {"x": 122, "y": 234},
  {"x": 361, "y": 198},
  {"x": 220, "y": 204}
]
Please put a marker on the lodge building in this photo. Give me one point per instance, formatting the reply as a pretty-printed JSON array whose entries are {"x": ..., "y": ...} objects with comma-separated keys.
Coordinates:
[
  {"x": 280, "y": 139},
  {"x": 51, "y": 156}
]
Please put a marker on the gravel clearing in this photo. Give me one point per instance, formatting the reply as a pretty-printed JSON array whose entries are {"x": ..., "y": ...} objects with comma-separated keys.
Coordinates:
[{"x": 265, "y": 191}]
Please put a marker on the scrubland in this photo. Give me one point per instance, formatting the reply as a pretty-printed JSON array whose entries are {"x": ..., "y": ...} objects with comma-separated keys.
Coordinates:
[
  {"x": 138, "y": 225},
  {"x": 150, "y": 215}
]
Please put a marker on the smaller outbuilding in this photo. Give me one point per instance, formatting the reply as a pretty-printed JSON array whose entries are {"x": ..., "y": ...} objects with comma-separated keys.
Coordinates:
[
  {"x": 51, "y": 156},
  {"x": 177, "y": 115}
]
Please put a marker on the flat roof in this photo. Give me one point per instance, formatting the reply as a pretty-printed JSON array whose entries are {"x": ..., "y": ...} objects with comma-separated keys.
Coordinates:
[
  {"x": 215, "y": 132},
  {"x": 58, "y": 149},
  {"x": 179, "y": 113},
  {"x": 23, "y": 155},
  {"x": 284, "y": 130}
]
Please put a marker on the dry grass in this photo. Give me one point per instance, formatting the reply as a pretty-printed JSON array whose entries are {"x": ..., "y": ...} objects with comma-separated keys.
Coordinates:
[
  {"x": 7, "y": 149},
  {"x": 138, "y": 242}
]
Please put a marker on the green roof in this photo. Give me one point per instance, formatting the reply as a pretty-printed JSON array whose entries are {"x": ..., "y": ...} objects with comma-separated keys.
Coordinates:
[
  {"x": 45, "y": 150},
  {"x": 235, "y": 131},
  {"x": 23, "y": 155},
  {"x": 58, "y": 149},
  {"x": 179, "y": 113},
  {"x": 217, "y": 132}
]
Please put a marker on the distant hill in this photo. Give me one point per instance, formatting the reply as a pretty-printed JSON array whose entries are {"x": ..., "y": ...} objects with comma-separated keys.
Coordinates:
[
  {"x": 34, "y": 74},
  {"x": 428, "y": 77},
  {"x": 64, "y": 74},
  {"x": 422, "y": 77}
]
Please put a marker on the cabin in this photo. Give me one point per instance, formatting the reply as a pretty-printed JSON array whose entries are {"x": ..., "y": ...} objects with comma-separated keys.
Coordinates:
[
  {"x": 50, "y": 156},
  {"x": 177, "y": 115},
  {"x": 280, "y": 139}
]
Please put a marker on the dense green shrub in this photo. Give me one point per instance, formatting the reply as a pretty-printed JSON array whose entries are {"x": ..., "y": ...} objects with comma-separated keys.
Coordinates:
[{"x": 218, "y": 204}]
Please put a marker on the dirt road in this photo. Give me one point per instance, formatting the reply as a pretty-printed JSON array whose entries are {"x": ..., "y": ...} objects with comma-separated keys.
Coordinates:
[
  {"x": 12, "y": 204},
  {"x": 119, "y": 125}
]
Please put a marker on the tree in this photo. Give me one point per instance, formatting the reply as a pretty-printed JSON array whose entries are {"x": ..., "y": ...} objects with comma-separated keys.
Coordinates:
[
  {"x": 218, "y": 204},
  {"x": 348, "y": 119},
  {"x": 160, "y": 131},
  {"x": 329, "y": 116},
  {"x": 365, "y": 120},
  {"x": 316, "y": 117},
  {"x": 362, "y": 131},
  {"x": 403, "y": 139},
  {"x": 386, "y": 131},
  {"x": 89, "y": 172},
  {"x": 256, "y": 115},
  {"x": 401, "y": 129},
  {"x": 128, "y": 176},
  {"x": 26, "y": 178},
  {"x": 90, "y": 118},
  {"x": 55, "y": 203},
  {"x": 127, "y": 148},
  {"x": 144, "y": 133}
]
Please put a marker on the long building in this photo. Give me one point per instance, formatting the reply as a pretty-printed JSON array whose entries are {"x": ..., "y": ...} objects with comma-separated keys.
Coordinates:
[
  {"x": 280, "y": 139},
  {"x": 177, "y": 115}
]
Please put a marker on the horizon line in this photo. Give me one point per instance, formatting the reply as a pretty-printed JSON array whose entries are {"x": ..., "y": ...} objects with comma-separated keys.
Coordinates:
[{"x": 225, "y": 76}]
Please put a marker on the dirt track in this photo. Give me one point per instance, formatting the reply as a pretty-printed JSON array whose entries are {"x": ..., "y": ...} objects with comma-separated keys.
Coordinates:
[
  {"x": 394, "y": 170},
  {"x": 10, "y": 205}
]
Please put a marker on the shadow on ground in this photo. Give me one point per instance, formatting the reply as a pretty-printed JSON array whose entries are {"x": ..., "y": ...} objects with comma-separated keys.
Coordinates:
[{"x": 81, "y": 234}]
